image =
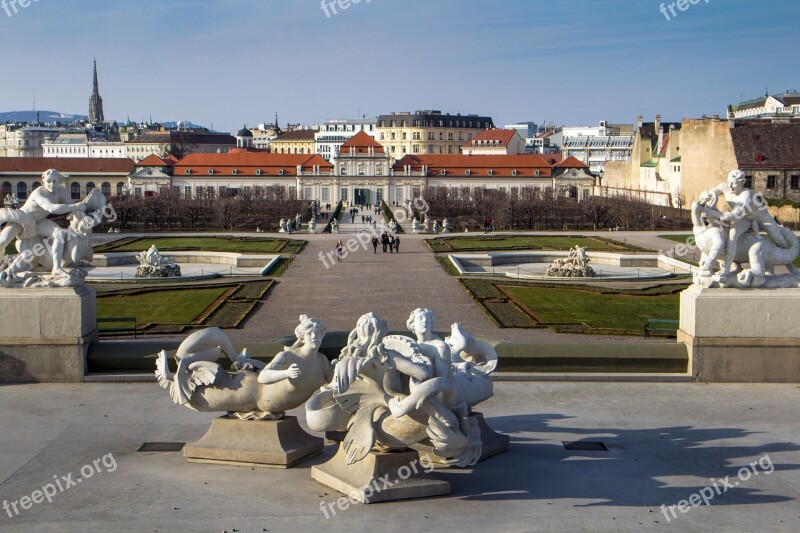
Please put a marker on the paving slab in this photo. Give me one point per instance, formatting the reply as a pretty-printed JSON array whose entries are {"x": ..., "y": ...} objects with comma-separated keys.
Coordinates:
[{"x": 665, "y": 443}]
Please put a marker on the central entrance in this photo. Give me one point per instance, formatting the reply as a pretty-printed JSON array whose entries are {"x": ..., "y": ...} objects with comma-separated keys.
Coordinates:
[{"x": 361, "y": 196}]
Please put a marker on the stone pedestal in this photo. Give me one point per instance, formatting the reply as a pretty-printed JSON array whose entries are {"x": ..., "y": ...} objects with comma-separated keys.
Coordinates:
[
  {"x": 44, "y": 334},
  {"x": 269, "y": 443},
  {"x": 741, "y": 335},
  {"x": 380, "y": 477},
  {"x": 493, "y": 443}
]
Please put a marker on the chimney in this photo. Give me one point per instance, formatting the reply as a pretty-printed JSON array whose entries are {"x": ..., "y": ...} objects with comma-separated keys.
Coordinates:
[
  {"x": 639, "y": 121},
  {"x": 657, "y": 126}
]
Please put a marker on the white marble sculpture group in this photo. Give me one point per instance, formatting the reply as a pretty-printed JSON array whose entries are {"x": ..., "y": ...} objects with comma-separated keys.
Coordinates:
[
  {"x": 729, "y": 239},
  {"x": 575, "y": 266},
  {"x": 153, "y": 265},
  {"x": 45, "y": 248},
  {"x": 387, "y": 392}
]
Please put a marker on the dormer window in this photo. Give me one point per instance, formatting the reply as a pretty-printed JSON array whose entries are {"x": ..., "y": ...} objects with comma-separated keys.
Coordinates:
[
  {"x": 210, "y": 171},
  {"x": 187, "y": 171},
  {"x": 443, "y": 172},
  {"x": 234, "y": 172},
  {"x": 535, "y": 172},
  {"x": 280, "y": 172},
  {"x": 258, "y": 172},
  {"x": 514, "y": 172},
  {"x": 467, "y": 173},
  {"x": 490, "y": 172}
]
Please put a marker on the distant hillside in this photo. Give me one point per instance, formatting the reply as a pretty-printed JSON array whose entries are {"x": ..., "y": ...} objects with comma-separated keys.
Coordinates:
[
  {"x": 47, "y": 117},
  {"x": 51, "y": 117}
]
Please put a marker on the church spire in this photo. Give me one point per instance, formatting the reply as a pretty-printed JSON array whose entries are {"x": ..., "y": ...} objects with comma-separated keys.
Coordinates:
[{"x": 96, "y": 116}]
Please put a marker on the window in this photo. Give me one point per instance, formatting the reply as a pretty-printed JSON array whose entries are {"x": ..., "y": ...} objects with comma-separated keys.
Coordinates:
[
  {"x": 795, "y": 182},
  {"x": 443, "y": 172},
  {"x": 416, "y": 149},
  {"x": 280, "y": 172},
  {"x": 514, "y": 172},
  {"x": 748, "y": 182},
  {"x": 343, "y": 194},
  {"x": 210, "y": 171},
  {"x": 22, "y": 190},
  {"x": 35, "y": 185},
  {"x": 75, "y": 190},
  {"x": 120, "y": 185},
  {"x": 450, "y": 136},
  {"x": 234, "y": 172},
  {"x": 258, "y": 172},
  {"x": 292, "y": 192},
  {"x": 187, "y": 191},
  {"x": 89, "y": 187},
  {"x": 490, "y": 172},
  {"x": 326, "y": 194},
  {"x": 772, "y": 182},
  {"x": 379, "y": 170},
  {"x": 307, "y": 194},
  {"x": 467, "y": 172}
]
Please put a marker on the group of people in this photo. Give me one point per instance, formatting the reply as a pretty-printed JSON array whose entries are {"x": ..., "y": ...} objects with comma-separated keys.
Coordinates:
[{"x": 392, "y": 242}]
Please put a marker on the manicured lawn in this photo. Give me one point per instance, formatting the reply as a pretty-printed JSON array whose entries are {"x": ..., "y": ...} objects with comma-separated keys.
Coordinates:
[
  {"x": 677, "y": 238},
  {"x": 180, "y": 306},
  {"x": 208, "y": 244},
  {"x": 614, "y": 311},
  {"x": 526, "y": 242}
]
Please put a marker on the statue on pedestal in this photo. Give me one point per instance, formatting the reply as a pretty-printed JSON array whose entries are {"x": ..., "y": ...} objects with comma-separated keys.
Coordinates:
[
  {"x": 393, "y": 226},
  {"x": 391, "y": 392},
  {"x": 732, "y": 238},
  {"x": 334, "y": 226},
  {"x": 42, "y": 243},
  {"x": 415, "y": 226},
  {"x": 445, "y": 226},
  {"x": 283, "y": 229},
  {"x": 426, "y": 224},
  {"x": 312, "y": 225}
]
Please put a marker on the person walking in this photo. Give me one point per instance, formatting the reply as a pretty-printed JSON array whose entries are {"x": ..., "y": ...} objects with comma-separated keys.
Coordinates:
[
  {"x": 374, "y": 244},
  {"x": 339, "y": 249},
  {"x": 391, "y": 244},
  {"x": 384, "y": 241},
  {"x": 397, "y": 244}
]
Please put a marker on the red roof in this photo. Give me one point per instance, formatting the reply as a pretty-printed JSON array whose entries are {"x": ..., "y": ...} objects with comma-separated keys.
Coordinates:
[
  {"x": 528, "y": 165},
  {"x": 360, "y": 143},
  {"x": 153, "y": 160},
  {"x": 570, "y": 162},
  {"x": 249, "y": 163},
  {"x": 491, "y": 138},
  {"x": 296, "y": 136},
  {"x": 74, "y": 165}
]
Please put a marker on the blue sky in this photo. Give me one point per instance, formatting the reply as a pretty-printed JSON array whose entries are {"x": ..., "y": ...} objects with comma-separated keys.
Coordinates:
[{"x": 230, "y": 62}]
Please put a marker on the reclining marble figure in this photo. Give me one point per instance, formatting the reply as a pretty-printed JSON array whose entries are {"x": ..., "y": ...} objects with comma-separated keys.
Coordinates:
[{"x": 285, "y": 383}]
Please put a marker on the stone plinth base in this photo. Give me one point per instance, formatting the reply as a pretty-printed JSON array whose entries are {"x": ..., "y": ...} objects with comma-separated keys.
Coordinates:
[
  {"x": 269, "y": 443},
  {"x": 741, "y": 335},
  {"x": 493, "y": 443},
  {"x": 380, "y": 477},
  {"x": 44, "y": 334}
]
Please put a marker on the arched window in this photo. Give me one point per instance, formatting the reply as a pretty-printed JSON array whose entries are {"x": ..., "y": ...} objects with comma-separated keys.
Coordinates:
[
  {"x": 89, "y": 187},
  {"x": 120, "y": 185},
  {"x": 35, "y": 185},
  {"x": 105, "y": 188},
  {"x": 6, "y": 189},
  {"x": 22, "y": 190},
  {"x": 75, "y": 190}
]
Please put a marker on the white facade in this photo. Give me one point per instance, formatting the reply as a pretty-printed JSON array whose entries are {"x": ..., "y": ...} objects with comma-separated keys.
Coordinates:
[
  {"x": 25, "y": 141},
  {"x": 78, "y": 145},
  {"x": 335, "y": 132}
]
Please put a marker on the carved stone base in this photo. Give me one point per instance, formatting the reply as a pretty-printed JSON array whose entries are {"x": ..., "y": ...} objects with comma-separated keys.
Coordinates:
[
  {"x": 379, "y": 477},
  {"x": 741, "y": 336},
  {"x": 269, "y": 443},
  {"x": 493, "y": 443}
]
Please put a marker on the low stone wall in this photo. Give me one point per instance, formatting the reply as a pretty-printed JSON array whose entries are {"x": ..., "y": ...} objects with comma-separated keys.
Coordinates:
[
  {"x": 212, "y": 258},
  {"x": 464, "y": 261}
]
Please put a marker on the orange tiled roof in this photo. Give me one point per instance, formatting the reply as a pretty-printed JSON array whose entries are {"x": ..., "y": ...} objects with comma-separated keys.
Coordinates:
[
  {"x": 495, "y": 137},
  {"x": 67, "y": 165},
  {"x": 249, "y": 163},
  {"x": 360, "y": 143},
  {"x": 153, "y": 160},
  {"x": 528, "y": 165}
]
